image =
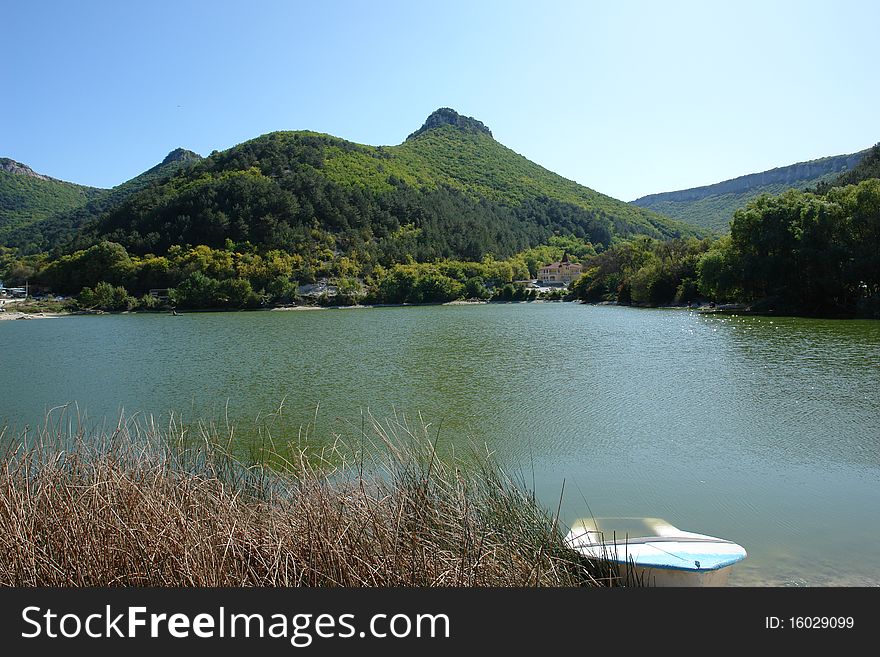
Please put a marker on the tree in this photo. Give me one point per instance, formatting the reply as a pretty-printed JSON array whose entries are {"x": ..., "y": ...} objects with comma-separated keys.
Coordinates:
[
  {"x": 475, "y": 288},
  {"x": 197, "y": 291},
  {"x": 105, "y": 261},
  {"x": 105, "y": 296},
  {"x": 237, "y": 293},
  {"x": 717, "y": 278}
]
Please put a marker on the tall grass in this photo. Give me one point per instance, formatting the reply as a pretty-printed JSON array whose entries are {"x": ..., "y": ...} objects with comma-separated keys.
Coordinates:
[{"x": 144, "y": 505}]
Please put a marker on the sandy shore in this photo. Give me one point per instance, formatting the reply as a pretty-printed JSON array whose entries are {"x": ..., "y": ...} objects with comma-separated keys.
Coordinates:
[
  {"x": 287, "y": 308},
  {"x": 15, "y": 314}
]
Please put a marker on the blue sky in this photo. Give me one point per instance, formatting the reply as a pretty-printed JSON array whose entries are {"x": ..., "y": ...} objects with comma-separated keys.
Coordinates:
[{"x": 628, "y": 98}]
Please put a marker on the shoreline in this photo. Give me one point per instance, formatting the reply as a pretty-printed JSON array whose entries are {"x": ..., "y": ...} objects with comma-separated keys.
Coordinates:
[
  {"x": 17, "y": 314},
  {"x": 731, "y": 309}
]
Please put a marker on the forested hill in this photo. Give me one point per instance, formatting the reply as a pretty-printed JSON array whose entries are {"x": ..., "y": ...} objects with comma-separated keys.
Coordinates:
[
  {"x": 712, "y": 206},
  {"x": 468, "y": 158},
  {"x": 27, "y": 197},
  {"x": 57, "y": 226},
  {"x": 449, "y": 191}
]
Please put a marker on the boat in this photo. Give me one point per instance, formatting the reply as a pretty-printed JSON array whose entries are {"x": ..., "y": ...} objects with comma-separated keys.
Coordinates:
[{"x": 653, "y": 552}]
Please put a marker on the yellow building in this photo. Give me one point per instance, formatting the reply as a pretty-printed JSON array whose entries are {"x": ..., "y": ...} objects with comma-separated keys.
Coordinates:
[{"x": 559, "y": 273}]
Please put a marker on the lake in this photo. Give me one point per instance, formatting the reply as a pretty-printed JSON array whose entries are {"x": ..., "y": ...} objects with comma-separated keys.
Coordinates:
[{"x": 765, "y": 431}]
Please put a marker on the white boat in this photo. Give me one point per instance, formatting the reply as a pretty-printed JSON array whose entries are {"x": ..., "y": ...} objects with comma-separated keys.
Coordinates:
[{"x": 652, "y": 552}]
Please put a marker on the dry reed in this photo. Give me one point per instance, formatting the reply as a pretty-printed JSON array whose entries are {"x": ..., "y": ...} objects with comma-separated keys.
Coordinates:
[{"x": 142, "y": 505}]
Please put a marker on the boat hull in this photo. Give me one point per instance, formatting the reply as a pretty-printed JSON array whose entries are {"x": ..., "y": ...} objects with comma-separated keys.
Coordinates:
[
  {"x": 646, "y": 576},
  {"x": 652, "y": 552}
]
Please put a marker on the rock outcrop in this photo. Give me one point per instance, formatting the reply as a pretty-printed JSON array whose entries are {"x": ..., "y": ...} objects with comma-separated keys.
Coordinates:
[
  {"x": 788, "y": 175},
  {"x": 11, "y": 166},
  {"x": 447, "y": 116},
  {"x": 180, "y": 155}
]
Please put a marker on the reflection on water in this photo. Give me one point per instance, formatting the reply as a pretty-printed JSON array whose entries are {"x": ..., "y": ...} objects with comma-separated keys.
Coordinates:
[{"x": 764, "y": 431}]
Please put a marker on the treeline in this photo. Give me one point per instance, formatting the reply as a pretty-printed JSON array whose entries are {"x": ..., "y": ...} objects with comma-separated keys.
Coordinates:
[
  {"x": 450, "y": 280},
  {"x": 198, "y": 277},
  {"x": 107, "y": 276},
  {"x": 643, "y": 271},
  {"x": 797, "y": 253},
  {"x": 803, "y": 253}
]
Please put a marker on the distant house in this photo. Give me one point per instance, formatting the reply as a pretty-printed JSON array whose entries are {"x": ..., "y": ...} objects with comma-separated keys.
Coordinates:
[
  {"x": 14, "y": 292},
  {"x": 559, "y": 273}
]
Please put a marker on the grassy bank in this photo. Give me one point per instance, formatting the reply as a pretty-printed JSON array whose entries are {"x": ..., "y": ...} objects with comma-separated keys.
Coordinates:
[{"x": 143, "y": 505}]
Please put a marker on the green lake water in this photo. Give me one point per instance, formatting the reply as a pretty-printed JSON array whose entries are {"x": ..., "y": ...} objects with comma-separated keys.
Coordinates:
[{"x": 765, "y": 431}]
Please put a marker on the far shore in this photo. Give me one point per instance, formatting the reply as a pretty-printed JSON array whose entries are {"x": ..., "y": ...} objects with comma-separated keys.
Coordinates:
[{"x": 703, "y": 308}]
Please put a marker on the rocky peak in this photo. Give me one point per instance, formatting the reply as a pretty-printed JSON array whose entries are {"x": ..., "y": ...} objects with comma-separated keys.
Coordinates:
[
  {"x": 447, "y": 116},
  {"x": 180, "y": 155},
  {"x": 11, "y": 166}
]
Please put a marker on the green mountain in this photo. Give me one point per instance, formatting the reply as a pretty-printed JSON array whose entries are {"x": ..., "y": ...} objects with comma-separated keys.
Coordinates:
[
  {"x": 27, "y": 197},
  {"x": 468, "y": 158},
  {"x": 449, "y": 191},
  {"x": 40, "y": 213},
  {"x": 712, "y": 206}
]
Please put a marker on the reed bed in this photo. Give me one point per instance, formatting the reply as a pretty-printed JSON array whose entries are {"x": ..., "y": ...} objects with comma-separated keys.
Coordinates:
[{"x": 170, "y": 505}]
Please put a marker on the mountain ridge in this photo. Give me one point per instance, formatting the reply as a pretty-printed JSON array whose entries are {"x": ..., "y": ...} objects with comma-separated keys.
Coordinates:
[
  {"x": 27, "y": 197},
  {"x": 712, "y": 206},
  {"x": 50, "y": 228},
  {"x": 461, "y": 193},
  {"x": 464, "y": 193}
]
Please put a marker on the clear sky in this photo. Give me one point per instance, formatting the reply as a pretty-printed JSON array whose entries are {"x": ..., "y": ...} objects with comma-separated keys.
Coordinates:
[{"x": 626, "y": 97}]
